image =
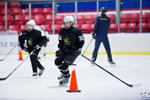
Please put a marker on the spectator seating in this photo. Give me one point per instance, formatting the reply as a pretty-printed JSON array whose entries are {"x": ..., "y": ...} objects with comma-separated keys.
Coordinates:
[
  {"x": 39, "y": 19},
  {"x": 19, "y": 20},
  {"x": 17, "y": 17},
  {"x": 2, "y": 27},
  {"x": 113, "y": 28},
  {"x": 22, "y": 27},
  {"x": 14, "y": 27}
]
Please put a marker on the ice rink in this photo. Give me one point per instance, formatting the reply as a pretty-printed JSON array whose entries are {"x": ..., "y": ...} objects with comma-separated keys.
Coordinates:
[{"x": 93, "y": 82}]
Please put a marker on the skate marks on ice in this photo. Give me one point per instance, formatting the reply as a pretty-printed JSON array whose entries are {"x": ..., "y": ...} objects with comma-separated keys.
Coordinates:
[{"x": 56, "y": 85}]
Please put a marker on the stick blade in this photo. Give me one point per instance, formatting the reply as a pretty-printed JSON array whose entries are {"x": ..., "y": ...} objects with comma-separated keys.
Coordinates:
[{"x": 2, "y": 79}]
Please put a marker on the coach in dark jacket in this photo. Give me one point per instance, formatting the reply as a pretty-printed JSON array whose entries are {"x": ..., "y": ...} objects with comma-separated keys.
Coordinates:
[{"x": 100, "y": 35}]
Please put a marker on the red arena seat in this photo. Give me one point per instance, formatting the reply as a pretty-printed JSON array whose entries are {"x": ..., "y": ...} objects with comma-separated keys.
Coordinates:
[
  {"x": 22, "y": 27},
  {"x": 14, "y": 27},
  {"x": 49, "y": 19},
  {"x": 14, "y": 4},
  {"x": 89, "y": 19},
  {"x": 27, "y": 11},
  {"x": 17, "y": 11},
  {"x": 39, "y": 19},
  {"x": 80, "y": 19},
  {"x": 134, "y": 17},
  {"x": 144, "y": 27},
  {"x": 124, "y": 18},
  {"x": 9, "y": 20},
  {"x": 148, "y": 26},
  {"x": 38, "y": 10},
  {"x": 2, "y": 4},
  {"x": 45, "y": 27},
  {"x": 113, "y": 28},
  {"x": 26, "y": 19},
  {"x": 123, "y": 27},
  {"x": 57, "y": 28},
  {"x": 19, "y": 20},
  {"x": 59, "y": 17},
  {"x": 86, "y": 28},
  {"x": 1, "y": 19},
  {"x": 2, "y": 27},
  {"x": 112, "y": 17},
  {"x": 9, "y": 11},
  {"x": 47, "y": 10},
  {"x": 131, "y": 27}
]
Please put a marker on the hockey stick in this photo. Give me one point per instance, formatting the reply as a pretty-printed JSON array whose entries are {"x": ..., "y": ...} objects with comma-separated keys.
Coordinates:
[
  {"x": 129, "y": 85},
  {"x": 87, "y": 46},
  {"x": 1, "y": 79},
  {"x": 9, "y": 53}
]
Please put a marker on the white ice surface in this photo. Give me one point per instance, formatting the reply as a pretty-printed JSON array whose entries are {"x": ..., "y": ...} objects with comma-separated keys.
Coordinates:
[{"x": 93, "y": 82}]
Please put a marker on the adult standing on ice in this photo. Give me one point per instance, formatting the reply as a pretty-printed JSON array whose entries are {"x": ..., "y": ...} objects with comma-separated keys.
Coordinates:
[
  {"x": 32, "y": 39},
  {"x": 71, "y": 41},
  {"x": 100, "y": 35}
]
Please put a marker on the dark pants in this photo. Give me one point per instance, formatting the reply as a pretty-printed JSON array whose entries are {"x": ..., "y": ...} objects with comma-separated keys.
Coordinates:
[
  {"x": 107, "y": 48},
  {"x": 34, "y": 61},
  {"x": 64, "y": 60}
]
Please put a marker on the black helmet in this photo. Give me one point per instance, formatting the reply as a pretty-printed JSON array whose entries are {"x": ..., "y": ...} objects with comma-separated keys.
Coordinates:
[{"x": 103, "y": 10}]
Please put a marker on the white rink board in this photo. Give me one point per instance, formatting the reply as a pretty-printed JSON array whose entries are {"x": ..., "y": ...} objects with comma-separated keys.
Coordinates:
[
  {"x": 119, "y": 42},
  {"x": 7, "y": 42}
]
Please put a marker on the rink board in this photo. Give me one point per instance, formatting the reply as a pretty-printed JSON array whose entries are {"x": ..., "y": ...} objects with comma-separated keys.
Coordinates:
[{"x": 121, "y": 44}]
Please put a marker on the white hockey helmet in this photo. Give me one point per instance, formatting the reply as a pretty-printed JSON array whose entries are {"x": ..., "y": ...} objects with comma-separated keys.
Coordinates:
[
  {"x": 31, "y": 22},
  {"x": 69, "y": 19}
]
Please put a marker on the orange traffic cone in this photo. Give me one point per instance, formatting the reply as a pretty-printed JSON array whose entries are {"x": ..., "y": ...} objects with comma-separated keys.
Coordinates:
[
  {"x": 73, "y": 83},
  {"x": 20, "y": 55}
]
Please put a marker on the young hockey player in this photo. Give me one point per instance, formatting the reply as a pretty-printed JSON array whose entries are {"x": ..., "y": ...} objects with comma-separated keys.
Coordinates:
[
  {"x": 100, "y": 35},
  {"x": 71, "y": 41},
  {"x": 32, "y": 39}
]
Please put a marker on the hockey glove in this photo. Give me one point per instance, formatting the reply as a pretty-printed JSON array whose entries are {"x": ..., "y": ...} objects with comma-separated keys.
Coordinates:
[{"x": 94, "y": 35}]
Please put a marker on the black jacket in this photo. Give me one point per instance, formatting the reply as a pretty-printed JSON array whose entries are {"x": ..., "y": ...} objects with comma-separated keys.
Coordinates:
[
  {"x": 70, "y": 40},
  {"x": 28, "y": 40}
]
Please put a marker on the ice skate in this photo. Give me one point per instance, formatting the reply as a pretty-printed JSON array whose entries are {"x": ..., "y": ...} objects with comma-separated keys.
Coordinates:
[
  {"x": 41, "y": 72},
  {"x": 34, "y": 75},
  {"x": 92, "y": 62},
  {"x": 111, "y": 62},
  {"x": 60, "y": 77},
  {"x": 64, "y": 81}
]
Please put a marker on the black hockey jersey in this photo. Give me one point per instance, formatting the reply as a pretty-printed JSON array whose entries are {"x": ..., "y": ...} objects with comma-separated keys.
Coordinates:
[
  {"x": 70, "y": 39},
  {"x": 28, "y": 40}
]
